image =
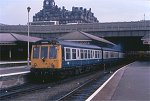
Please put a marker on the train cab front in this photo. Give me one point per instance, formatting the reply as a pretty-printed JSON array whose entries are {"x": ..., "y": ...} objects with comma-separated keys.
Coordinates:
[{"x": 45, "y": 58}]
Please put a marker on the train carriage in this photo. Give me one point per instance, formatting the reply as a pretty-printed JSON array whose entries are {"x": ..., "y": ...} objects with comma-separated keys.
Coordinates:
[{"x": 55, "y": 56}]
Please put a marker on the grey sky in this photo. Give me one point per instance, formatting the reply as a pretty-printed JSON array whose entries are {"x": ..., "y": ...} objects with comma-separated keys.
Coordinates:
[{"x": 15, "y": 11}]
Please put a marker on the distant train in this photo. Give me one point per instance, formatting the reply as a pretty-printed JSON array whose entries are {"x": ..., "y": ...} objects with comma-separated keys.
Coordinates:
[{"x": 55, "y": 57}]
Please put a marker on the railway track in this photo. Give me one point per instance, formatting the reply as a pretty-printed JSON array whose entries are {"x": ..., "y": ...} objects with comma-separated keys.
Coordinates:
[
  {"x": 82, "y": 92},
  {"x": 73, "y": 88},
  {"x": 14, "y": 91},
  {"x": 23, "y": 90}
]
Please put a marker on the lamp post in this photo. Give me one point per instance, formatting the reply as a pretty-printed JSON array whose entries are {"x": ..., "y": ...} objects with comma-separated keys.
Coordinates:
[{"x": 28, "y": 9}]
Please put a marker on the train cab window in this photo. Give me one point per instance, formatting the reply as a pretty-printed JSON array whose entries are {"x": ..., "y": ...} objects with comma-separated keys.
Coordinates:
[
  {"x": 44, "y": 51},
  {"x": 73, "y": 53},
  {"x": 36, "y": 52},
  {"x": 68, "y": 53},
  {"x": 53, "y": 52}
]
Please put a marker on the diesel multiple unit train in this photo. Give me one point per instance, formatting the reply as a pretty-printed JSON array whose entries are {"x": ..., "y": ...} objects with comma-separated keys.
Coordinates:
[{"x": 56, "y": 57}]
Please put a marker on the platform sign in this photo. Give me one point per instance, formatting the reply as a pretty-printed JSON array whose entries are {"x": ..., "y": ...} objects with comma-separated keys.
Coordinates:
[{"x": 146, "y": 42}]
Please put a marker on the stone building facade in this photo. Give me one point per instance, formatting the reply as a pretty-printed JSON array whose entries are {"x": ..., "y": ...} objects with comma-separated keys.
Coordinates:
[{"x": 51, "y": 12}]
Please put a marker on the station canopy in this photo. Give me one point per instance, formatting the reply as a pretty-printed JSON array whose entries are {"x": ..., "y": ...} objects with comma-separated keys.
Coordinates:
[
  {"x": 12, "y": 38},
  {"x": 82, "y": 36}
]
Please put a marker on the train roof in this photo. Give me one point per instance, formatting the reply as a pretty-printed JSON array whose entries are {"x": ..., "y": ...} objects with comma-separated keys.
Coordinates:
[
  {"x": 110, "y": 49},
  {"x": 66, "y": 43},
  {"x": 73, "y": 44}
]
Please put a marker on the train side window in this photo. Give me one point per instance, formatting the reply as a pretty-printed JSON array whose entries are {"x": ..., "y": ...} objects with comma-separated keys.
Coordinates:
[
  {"x": 116, "y": 55},
  {"x": 73, "y": 53},
  {"x": 89, "y": 54},
  {"x": 68, "y": 53},
  {"x": 93, "y": 54},
  {"x": 82, "y": 55},
  {"x": 106, "y": 55},
  {"x": 44, "y": 51},
  {"x": 112, "y": 55},
  {"x": 36, "y": 52},
  {"x": 85, "y": 54},
  {"x": 78, "y": 53},
  {"x": 100, "y": 54},
  {"x": 53, "y": 52},
  {"x": 96, "y": 54}
]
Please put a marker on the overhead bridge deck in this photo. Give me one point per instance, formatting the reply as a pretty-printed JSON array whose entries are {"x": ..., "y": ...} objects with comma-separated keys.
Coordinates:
[{"x": 137, "y": 28}]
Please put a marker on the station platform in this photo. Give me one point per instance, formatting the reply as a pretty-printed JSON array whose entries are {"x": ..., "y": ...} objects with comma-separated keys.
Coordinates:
[
  {"x": 8, "y": 71},
  {"x": 8, "y": 68},
  {"x": 130, "y": 83}
]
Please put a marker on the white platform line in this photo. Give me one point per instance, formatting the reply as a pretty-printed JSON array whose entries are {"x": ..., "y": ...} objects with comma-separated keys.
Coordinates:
[
  {"x": 105, "y": 83},
  {"x": 11, "y": 74},
  {"x": 13, "y": 62}
]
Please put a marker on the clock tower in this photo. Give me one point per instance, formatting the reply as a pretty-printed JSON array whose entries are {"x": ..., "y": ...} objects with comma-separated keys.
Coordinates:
[{"x": 48, "y": 4}]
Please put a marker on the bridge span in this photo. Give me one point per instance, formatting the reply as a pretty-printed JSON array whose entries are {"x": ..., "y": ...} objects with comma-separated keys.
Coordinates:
[
  {"x": 116, "y": 29},
  {"x": 126, "y": 34}
]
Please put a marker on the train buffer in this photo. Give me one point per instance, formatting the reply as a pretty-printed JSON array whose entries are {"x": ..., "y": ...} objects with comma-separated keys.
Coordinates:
[{"x": 132, "y": 82}]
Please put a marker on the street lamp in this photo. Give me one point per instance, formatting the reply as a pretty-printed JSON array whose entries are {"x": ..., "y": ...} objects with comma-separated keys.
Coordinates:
[{"x": 28, "y": 9}]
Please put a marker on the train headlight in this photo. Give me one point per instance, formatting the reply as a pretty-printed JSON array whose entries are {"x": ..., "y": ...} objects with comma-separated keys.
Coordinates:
[
  {"x": 35, "y": 64},
  {"x": 52, "y": 65}
]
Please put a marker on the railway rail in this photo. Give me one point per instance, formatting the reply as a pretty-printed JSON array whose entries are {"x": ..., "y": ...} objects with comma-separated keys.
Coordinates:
[
  {"x": 85, "y": 90},
  {"x": 73, "y": 88},
  {"x": 82, "y": 92}
]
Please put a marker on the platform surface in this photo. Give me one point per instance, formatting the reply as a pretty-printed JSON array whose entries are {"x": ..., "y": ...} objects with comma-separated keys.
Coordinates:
[
  {"x": 13, "y": 70},
  {"x": 131, "y": 83}
]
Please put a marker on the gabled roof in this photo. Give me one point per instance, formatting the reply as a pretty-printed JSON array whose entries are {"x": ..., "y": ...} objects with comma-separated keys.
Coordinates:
[
  {"x": 146, "y": 37},
  {"x": 10, "y": 38},
  {"x": 79, "y": 35}
]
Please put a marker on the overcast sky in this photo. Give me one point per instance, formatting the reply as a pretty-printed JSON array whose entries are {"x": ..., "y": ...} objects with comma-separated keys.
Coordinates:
[{"x": 14, "y": 12}]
